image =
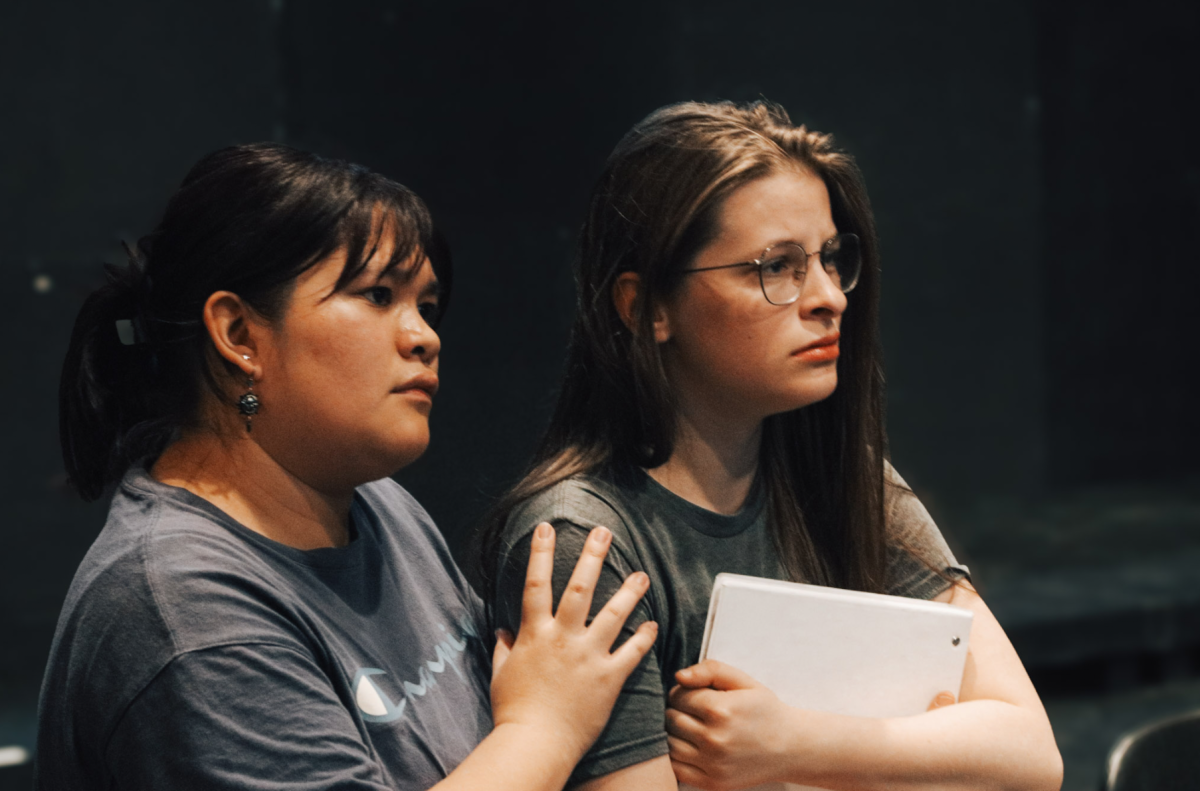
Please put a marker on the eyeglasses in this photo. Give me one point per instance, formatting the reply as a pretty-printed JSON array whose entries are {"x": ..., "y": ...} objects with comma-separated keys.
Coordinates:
[{"x": 782, "y": 267}]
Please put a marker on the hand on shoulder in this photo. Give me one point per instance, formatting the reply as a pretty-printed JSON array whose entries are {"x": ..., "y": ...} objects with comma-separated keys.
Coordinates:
[{"x": 558, "y": 676}]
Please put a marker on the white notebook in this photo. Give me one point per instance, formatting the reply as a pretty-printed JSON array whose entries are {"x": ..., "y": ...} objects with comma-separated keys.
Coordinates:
[{"x": 847, "y": 652}]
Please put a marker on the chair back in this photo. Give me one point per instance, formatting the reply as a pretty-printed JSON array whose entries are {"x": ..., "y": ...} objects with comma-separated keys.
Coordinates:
[{"x": 1161, "y": 756}]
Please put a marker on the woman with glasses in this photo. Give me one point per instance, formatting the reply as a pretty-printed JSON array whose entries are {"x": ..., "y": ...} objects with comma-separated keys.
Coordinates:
[
  {"x": 264, "y": 608},
  {"x": 722, "y": 411}
]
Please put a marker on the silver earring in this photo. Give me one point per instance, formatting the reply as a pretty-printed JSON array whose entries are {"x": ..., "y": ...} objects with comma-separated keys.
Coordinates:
[{"x": 249, "y": 404}]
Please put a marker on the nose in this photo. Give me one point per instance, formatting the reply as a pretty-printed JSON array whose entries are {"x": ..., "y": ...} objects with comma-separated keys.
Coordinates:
[
  {"x": 820, "y": 295},
  {"x": 416, "y": 339}
]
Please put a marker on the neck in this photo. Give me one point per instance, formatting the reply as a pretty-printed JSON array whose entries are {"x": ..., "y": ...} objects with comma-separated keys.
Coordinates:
[
  {"x": 714, "y": 459},
  {"x": 234, "y": 473}
]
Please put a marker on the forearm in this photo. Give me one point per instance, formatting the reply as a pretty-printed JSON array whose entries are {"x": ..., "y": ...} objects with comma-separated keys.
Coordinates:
[
  {"x": 514, "y": 758},
  {"x": 982, "y": 744}
]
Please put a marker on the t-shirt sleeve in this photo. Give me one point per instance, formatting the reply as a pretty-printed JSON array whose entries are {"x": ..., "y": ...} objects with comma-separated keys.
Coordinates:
[
  {"x": 255, "y": 716},
  {"x": 636, "y": 730},
  {"x": 920, "y": 564}
]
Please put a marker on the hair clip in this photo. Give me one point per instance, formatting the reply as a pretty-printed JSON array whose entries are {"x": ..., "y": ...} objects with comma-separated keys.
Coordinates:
[{"x": 131, "y": 332}]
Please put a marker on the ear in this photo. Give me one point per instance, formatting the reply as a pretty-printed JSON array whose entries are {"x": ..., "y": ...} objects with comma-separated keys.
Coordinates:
[
  {"x": 232, "y": 327},
  {"x": 626, "y": 293}
]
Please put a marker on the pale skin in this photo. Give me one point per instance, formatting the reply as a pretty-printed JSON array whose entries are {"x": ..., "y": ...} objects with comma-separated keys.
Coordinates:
[
  {"x": 347, "y": 380},
  {"x": 731, "y": 359}
]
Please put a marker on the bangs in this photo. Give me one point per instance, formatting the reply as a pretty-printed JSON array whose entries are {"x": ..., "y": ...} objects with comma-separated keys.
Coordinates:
[{"x": 388, "y": 212}]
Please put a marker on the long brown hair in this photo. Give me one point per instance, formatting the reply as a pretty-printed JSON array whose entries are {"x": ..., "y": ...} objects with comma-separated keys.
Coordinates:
[{"x": 654, "y": 208}]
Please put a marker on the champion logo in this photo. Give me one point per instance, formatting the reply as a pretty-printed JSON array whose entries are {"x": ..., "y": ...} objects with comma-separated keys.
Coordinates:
[
  {"x": 372, "y": 701},
  {"x": 375, "y": 705}
]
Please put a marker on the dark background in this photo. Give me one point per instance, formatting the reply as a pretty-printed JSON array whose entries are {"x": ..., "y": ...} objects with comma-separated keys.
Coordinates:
[{"x": 1032, "y": 167}]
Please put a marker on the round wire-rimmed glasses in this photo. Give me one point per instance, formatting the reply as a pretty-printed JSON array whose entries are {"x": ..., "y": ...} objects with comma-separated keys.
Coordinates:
[{"x": 782, "y": 267}]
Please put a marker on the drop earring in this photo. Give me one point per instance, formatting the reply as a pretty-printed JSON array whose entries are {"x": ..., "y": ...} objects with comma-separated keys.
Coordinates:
[{"x": 249, "y": 404}]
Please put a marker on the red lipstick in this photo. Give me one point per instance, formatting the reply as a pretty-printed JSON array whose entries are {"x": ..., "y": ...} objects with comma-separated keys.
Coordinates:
[{"x": 821, "y": 350}]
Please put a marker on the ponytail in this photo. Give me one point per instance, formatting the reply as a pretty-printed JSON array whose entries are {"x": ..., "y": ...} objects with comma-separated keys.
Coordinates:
[{"x": 112, "y": 410}]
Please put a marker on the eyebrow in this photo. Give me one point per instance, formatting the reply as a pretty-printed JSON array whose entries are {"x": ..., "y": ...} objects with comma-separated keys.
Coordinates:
[
  {"x": 787, "y": 240},
  {"x": 406, "y": 275},
  {"x": 793, "y": 240},
  {"x": 433, "y": 287}
]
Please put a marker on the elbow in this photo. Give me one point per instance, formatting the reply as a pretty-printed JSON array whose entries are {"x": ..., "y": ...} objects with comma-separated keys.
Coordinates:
[
  {"x": 1030, "y": 764},
  {"x": 1044, "y": 769},
  {"x": 1052, "y": 777}
]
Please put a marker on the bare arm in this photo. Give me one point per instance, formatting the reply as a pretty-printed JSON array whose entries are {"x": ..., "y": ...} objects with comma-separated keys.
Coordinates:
[
  {"x": 554, "y": 686},
  {"x": 653, "y": 775},
  {"x": 998, "y": 737}
]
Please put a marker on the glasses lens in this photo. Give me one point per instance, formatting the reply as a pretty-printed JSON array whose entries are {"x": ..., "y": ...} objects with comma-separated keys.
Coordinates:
[
  {"x": 842, "y": 258},
  {"x": 782, "y": 272}
]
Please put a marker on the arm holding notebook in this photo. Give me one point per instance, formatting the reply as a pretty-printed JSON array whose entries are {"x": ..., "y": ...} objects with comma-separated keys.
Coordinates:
[{"x": 728, "y": 731}]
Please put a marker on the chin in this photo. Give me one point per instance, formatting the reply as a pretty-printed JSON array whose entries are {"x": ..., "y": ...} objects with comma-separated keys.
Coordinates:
[
  {"x": 811, "y": 390},
  {"x": 406, "y": 449},
  {"x": 372, "y": 455}
]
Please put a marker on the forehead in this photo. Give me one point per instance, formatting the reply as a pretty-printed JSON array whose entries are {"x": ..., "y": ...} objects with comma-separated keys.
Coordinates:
[{"x": 790, "y": 205}]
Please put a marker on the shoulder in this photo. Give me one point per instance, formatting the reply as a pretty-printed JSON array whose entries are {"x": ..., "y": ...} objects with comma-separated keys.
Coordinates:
[
  {"x": 905, "y": 515},
  {"x": 920, "y": 562},
  {"x": 159, "y": 581},
  {"x": 582, "y": 500},
  {"x": 172, "y": 564}
]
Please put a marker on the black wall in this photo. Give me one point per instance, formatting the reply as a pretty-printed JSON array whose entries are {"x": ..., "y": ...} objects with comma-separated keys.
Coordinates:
[{"x": 1122, "y": 185}]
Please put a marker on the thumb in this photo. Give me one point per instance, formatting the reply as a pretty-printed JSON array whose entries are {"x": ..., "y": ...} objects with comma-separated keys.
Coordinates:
[
  {"x": 718, "y": 675},
  {"x": 504, "y": 644},
  {"x": 941, "y": 700}
]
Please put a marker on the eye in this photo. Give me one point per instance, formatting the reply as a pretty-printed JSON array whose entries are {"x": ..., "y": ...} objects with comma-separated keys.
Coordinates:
[
  {"x": 380, "y": 295},
  {"x": 428, "y": 311},
  {"x": 775, "y": 266}
]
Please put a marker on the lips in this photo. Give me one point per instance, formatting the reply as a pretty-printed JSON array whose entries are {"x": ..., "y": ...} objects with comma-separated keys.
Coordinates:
[
  {"x": 425, "y": 382},
  {"x": 820, "y": 350}
]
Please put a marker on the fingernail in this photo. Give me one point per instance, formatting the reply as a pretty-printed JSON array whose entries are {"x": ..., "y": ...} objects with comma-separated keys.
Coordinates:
[
  {"x": 544, "y": 530},
  {"x": 602, "y": 534},
  {"x": 642, "y": 579}
]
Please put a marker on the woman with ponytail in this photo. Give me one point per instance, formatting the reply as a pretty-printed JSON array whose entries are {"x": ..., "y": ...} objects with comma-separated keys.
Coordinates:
[
  {"x": 722, "y": 411},
  {"x": 264, "y": 608}
]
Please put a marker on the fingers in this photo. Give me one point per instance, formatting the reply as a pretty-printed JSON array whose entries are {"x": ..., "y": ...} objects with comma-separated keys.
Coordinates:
[
  {"x": 941, "y": 700},
  {"x": 608, "y": 622},
  {"x": 504, "y": 644},
  {"x": 696, "y": 676},
  {"x": 630, "y": 654},
  {"x": 683, "y": 751},
  {"x": 538, "y": 599},
  {"x": 684, "y": 726},
  {"x": 696, "y": 703},
  {"x": 576, "y": 601},
  {"x": 687, "y": 773},
  {"x": 718, "y": 675}
]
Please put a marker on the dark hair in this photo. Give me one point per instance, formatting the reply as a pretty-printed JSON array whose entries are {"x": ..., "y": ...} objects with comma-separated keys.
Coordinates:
[
  {"x": 654, "y": 208},
  {"x": 247, "y": 219}
]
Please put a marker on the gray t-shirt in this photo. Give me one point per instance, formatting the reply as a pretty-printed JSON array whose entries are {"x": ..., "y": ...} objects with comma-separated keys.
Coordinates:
[
  {"x": 682, "y": 547},
  {"x": 193, "y": 652}
]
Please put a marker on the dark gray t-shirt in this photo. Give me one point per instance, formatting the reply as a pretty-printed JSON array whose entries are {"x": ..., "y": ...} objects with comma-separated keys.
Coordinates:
[
  {"x": 193, "y": 652},
  {"x": 682, "y": 547}
]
